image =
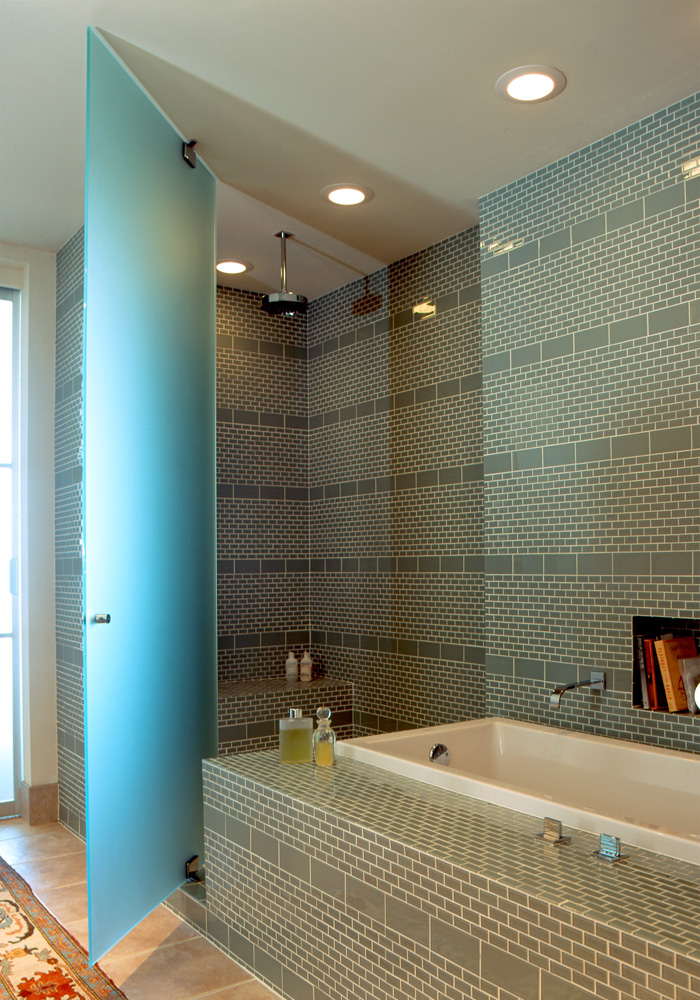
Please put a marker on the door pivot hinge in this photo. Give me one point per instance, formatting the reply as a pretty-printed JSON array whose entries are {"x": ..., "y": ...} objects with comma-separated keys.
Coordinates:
[
  {"x": 188, "y": 153},
  {"x": 192, "y": 869}
]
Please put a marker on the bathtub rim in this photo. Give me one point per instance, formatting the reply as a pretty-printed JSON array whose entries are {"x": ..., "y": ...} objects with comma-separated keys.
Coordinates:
[{"x": 647, "y": 836}]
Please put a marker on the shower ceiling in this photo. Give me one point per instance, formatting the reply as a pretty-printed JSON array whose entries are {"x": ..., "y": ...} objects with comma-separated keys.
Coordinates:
[{"x": 286, "y": 98}]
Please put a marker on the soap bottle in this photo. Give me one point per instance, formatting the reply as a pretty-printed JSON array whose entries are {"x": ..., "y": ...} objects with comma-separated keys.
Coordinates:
[
  {"x": 296, "y": 738},
  {"x": 292, "y": 667},
  {"x": 324, "y": 739},
  {"x": 306, "y": 667}
]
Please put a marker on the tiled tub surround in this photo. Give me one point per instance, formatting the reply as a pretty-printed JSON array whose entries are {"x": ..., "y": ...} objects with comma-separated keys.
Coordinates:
[
  {"x": 591, "y": 363},
  {"x": 647, "y": 797},
  {"x": 350, "y": 883},
  {"x": 396, "y": 489}
]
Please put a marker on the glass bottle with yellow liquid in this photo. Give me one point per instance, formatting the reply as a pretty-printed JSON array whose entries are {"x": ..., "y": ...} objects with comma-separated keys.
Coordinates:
[
  {"x": 324, "y": 739},
  {"x": 296, "y": 738}
]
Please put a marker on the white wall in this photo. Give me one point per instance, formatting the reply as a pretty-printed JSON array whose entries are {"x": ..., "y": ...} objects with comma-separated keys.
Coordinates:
[{"x": 34, "y": 273}]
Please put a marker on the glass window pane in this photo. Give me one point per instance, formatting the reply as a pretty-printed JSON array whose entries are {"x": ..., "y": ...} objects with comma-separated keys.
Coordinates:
[
  {"x": 5, "y": 381},
  {"x": 7, "y": 780},
  {"x": 5, "y": 549}
]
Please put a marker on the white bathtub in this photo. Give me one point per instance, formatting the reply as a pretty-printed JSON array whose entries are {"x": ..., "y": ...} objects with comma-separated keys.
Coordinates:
[{"x": 648, "y": 797}]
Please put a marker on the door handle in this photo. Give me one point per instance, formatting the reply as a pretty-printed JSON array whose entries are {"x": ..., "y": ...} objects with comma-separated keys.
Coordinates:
[{"x": 102, "y": 619}]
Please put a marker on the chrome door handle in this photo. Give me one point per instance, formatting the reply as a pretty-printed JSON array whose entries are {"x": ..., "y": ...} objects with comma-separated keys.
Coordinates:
[{"x": 102, "y": 619}]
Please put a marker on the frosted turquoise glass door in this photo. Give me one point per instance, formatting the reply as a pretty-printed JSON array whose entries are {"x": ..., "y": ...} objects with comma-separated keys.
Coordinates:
[{"x": 149, "y": 500}]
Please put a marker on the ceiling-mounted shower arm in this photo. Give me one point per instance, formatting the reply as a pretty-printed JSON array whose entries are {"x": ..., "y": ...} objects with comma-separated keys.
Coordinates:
[
  {"x": 284, "y": 303},
  {"x": 283, "y": 263}
]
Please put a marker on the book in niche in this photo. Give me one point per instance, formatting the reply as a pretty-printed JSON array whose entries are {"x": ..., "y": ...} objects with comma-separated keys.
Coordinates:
[
  {"x": 642, "y": 672},
  {"x": 669, "y": 650},
  {"x": 655, "y": 688}
]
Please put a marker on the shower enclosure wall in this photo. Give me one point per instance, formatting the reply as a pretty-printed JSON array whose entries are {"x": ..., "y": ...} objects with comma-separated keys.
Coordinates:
[
  {"x": 396, "y": 501},
  {"x": 350, "y": 501}
]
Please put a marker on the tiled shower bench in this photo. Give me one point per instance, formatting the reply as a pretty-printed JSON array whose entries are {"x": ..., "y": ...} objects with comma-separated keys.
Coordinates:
[
  {"x": 249, "y": 710},
  {"x": 350, "y": 883}
]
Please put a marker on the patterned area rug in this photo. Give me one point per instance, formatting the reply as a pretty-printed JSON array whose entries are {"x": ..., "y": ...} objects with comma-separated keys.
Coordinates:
[{"x": 39, "y": 960}]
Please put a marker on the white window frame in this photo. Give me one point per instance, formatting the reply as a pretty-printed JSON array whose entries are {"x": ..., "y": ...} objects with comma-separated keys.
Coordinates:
[
  {"x": 11, "y": 807},
  {"x": 33, "y": 273}
]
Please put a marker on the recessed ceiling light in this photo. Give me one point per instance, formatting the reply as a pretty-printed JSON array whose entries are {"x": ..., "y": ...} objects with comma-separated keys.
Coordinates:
[
  {"x": 233, "y": 266},
  {"x": 346, "y": 194},
  {"x": 531, "y": 84}
]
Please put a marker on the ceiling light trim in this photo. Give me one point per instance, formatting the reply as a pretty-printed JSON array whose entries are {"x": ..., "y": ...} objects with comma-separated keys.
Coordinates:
[
  {"x": 503, "y": 84},
  {"x": 367, "y": 194},
  {"x": 239, "y": 266}
]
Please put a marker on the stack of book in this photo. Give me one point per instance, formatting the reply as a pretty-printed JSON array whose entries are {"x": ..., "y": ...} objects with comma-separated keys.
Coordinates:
[{"x": 660, "y": 676}]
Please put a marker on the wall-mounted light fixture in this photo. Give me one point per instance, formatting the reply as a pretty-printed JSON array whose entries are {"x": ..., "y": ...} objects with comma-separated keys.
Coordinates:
[
  {"x": 424, "y": 309},
  {"x": 531, "y": 84},
  {"x": 691, "y": 168}
]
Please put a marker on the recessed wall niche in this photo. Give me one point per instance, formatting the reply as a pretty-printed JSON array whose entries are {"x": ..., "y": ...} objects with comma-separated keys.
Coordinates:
[{"x": 646, "y": 630}]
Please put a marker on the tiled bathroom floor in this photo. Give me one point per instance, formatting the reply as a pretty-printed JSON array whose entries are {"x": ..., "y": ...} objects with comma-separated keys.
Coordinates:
[{"x": 161, "y": 959}]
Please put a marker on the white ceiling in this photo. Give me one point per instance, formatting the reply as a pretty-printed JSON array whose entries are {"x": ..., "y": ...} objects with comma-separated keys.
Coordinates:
[{"x": 288, "y": 96}]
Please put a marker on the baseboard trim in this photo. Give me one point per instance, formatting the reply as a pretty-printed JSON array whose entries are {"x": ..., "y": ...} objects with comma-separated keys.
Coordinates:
[{"x": 38, "y": 803}]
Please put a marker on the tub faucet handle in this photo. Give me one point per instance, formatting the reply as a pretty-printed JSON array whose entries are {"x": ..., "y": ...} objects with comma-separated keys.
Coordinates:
[
  {"x": 610, "y": 849},
  {"x": 552, "y": 832}
]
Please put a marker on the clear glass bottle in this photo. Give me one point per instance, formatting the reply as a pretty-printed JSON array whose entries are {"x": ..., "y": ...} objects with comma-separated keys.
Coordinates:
[
  {"x": 296, "y": 738},
  {"x": 324, "y": 739}
]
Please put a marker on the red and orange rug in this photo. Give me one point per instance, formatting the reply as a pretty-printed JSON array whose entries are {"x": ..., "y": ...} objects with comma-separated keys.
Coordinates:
[{"x": 39, "y": 960}]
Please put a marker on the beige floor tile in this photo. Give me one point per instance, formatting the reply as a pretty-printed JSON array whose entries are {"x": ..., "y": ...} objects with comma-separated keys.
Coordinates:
[
  {"x": 162, "y": 927},
  {"x": 176, "y": 972},
  {"x": 20, "y": 850},
  {"x": 53, "y": 873},
  {"x": 78, "y": 929},
  {"x": 159, "y": 929},
  {"x": 11, "y": 828},
  {"x": 67, "y": 904},
  {"x": 252, "y": 990},
  {"x": 161, "y": 959}
]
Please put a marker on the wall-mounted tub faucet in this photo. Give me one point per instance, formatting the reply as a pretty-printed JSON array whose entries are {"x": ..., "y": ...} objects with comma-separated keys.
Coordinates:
[{"x": 596, "y": 683}]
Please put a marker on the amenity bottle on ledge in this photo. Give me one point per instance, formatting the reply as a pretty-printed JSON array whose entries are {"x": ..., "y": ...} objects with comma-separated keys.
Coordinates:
[
  {"x": 324, "y": 739},
  {"x": 305, "y": 667},
  {"x": 296, "y": 738},
  {"x": 292, "y": 668}
]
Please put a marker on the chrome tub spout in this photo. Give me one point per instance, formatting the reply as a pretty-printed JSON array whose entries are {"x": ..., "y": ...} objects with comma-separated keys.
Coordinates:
[{"x": 596, "y": 683}]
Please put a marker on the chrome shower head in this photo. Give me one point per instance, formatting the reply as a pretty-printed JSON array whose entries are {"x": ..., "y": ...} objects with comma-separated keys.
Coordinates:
[{"x": 284, "y": 303}]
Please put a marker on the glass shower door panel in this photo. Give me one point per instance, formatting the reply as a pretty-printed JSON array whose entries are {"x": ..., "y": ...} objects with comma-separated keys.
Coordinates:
[{"x": 149, "y": 500}]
